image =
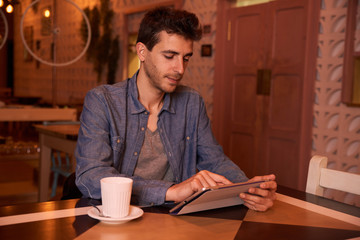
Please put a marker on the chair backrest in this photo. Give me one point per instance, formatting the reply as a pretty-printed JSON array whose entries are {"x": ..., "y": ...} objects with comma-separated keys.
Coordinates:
[{"x": 320, "y": 177}]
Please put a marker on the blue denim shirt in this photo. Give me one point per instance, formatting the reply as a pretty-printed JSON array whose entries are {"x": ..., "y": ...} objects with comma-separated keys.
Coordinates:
[{"x": 113, "y": 124}]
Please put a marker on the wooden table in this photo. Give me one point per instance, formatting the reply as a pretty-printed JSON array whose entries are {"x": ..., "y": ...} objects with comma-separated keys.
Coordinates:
[
  {"x": 60, "y": 137},
  {"x": 19, "y": 113},
  {"x": 295, "y": 215}
]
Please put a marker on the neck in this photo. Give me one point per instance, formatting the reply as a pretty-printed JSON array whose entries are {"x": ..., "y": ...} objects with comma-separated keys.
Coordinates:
[
  {"x": 150, "y": 97},
  {"x": 152, "y": 103}
]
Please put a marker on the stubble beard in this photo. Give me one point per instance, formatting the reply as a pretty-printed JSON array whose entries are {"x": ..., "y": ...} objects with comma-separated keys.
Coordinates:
[{"x": 156, "y": 79}]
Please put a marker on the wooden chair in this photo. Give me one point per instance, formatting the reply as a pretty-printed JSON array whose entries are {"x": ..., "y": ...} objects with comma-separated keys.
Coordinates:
[{"x": 320, "y": 177}]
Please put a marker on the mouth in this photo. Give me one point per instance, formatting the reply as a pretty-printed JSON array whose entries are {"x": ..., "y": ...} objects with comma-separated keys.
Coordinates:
[{"x": 174, "y": 79}]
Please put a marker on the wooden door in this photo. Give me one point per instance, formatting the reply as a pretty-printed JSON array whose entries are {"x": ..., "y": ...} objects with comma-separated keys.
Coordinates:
[{"x": 262, "y": 87}]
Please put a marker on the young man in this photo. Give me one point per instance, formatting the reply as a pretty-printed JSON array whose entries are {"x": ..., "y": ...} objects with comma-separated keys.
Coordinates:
[{"x": 155, "y": 131}]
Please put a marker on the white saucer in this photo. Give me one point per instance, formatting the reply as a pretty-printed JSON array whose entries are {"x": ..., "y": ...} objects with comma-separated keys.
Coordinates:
[{"x": 134, "y": 212}]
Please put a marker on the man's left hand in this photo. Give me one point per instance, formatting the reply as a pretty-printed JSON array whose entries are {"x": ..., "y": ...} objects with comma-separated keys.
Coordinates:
[{"x": 261, "y": 199}]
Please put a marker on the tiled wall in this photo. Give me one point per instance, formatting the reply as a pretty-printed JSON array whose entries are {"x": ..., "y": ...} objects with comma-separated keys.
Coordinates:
[{"x": 336, "y": 127}]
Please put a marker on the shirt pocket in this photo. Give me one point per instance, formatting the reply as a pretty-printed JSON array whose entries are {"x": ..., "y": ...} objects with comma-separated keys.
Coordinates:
[{"x": 117, "y": 143}]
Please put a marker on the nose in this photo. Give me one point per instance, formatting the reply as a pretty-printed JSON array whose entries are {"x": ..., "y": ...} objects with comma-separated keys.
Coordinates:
[{"x": 179, "y": 66}]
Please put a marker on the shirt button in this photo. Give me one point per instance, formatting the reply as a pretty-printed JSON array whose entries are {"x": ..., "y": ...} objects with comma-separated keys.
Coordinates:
[
  {"x": 118, "y": 141},
  {"x": 142, "y": 129},
  {"x": 187, "y": 138},
  {"x": 146, "y": 113},
  {"x": 135, "y": 153}
]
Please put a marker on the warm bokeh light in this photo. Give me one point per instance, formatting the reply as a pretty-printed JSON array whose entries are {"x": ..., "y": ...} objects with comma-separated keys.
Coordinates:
[
  {"x": 46, "y": 13},
  {"x": 1, "y": 3},
  {"x": 9, "y": 8}
]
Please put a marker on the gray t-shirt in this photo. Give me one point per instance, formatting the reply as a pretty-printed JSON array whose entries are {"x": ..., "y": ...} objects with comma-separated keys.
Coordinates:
[{"x": 153, "y": 163}]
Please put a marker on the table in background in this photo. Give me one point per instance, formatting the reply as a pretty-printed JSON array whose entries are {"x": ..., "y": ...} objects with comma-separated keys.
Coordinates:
[
  {"x": 60, "y": 137},
  {"x": 295, "y": 217},
  {"x": 19, "y": 113}
]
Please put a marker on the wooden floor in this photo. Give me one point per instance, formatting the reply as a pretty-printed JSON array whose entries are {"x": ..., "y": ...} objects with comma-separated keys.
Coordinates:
[{"x": 19, "y": 181}]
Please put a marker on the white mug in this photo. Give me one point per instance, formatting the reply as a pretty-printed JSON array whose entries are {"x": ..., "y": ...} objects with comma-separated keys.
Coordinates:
[{"x": 116, "y": 195}]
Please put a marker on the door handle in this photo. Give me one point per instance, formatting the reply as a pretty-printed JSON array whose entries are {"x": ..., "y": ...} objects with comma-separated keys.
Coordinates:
[{"x": 263, "y": 82}]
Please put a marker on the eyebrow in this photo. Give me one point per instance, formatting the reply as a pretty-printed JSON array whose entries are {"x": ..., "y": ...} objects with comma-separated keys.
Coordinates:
[{"x": 176, "y": 53}]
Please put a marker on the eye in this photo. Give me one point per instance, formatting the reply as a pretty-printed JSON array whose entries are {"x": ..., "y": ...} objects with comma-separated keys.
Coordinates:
[
  {"x": 169, "y": 56},
  {"x": 186, "y": 59}
]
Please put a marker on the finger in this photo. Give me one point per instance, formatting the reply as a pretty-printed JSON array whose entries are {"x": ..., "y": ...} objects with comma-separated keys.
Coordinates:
[
  {"x": 250, "y": 206},
  {"x": 270, "y": 177},
  {"x": 213, "y": 179},
  {"x": 204, "y": 181},
  {"x": 270, "y": 185},
  {"x": 256, "y": 207},
  {"x": 249, "y": 203},
  {"x": 260, "y": 203},
  {"x": 198, "y": 183},
  {"x": 259, "y": 192},
  {"x": 252, "y": 198},
  {"x": 219, "y": 179},
  {"x": 265, "y": 193}
]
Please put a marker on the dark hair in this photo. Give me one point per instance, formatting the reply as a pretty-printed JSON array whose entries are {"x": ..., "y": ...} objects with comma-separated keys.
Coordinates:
[{"x": 170, "y": 20}]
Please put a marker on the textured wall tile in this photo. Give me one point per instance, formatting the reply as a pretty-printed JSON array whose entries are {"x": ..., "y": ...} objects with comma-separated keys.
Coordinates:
[{"x": 336, "y": 127}]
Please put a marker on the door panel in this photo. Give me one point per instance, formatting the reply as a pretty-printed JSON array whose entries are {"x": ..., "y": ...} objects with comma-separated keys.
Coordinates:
[
  {"x": 243, "y": 88},
  {"x": 285, "y": 94},
  {"x": 248, "y": 39},
  {"x": 288, "y": 34},
  {"x": 246, "y": 153},
  {"x": 242, "y": 121},
  {"x": 284, "y": 156}
]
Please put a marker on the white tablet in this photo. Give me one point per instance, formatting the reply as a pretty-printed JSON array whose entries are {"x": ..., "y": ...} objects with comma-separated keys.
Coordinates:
[{"x": 214, "y": 197}]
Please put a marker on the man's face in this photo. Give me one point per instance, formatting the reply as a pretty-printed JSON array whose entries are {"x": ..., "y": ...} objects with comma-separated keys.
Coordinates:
[{"x": 165, "y": 65}]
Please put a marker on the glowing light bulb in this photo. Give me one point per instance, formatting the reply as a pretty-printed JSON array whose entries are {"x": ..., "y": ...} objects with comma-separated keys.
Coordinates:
[
  {"x": 1, "y": 3},
  {"x": 46, "y": 13},
  {"x": 9, "y": 8}
]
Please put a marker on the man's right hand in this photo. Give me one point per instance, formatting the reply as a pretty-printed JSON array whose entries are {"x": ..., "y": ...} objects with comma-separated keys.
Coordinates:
[{"x": 185, "y": 189}]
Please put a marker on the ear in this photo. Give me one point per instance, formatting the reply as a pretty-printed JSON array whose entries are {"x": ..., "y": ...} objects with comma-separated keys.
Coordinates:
[{"x": 141, "y": 51}]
